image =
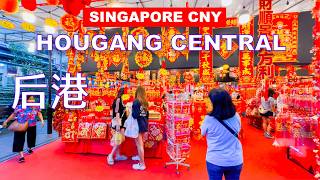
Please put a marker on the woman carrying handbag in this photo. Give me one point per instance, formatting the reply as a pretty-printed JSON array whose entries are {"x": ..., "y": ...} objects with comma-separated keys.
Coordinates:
[
  {"x": 25, "y": 123},
  {"x": 119, "y": 117}
]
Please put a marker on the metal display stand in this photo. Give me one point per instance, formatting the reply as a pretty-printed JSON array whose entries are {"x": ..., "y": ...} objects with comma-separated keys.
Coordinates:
[{"x": 178, "y": 133}]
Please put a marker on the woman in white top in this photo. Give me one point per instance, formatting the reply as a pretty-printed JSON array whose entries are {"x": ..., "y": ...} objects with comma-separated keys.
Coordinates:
[{"x": 268, "y": 107}]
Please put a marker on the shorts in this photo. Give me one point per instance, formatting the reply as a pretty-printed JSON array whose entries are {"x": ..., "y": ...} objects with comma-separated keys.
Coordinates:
[{"x": 267, "y": 114}]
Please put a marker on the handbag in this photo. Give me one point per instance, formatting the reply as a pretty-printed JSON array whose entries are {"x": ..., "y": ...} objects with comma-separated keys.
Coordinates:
[
  {"x": 132, "y": 128},
  {"x": 18, "y": 127},
  {"x": 117, "y": 139}
]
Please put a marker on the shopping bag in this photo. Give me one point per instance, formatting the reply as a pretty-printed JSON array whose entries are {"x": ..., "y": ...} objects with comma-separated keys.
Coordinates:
[
  {"x": 132, "y": 128},
  {"x": 117, "y": 139}
]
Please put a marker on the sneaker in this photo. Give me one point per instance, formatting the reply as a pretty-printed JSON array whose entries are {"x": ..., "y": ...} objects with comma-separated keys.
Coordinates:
[
  {"x": 30, "y": 151},
  {"x": 121, "y": 158},
  {"x": 21, "y": 160},
  {"x": 135, "y": 158},
  {"x": 110, "y": 160},
  {"x": 139, "y": 166},
  {"x": 267, "y": 135}
]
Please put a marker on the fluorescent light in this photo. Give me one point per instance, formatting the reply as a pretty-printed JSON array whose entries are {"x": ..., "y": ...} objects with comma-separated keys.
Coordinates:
[
  {"x": 32, "y": 47},
  {"x": 28, "y": 17},
  {"x": 226, "y": 3},
  {"x": 49, "y": 29},
  {"x": 244, "y": 16},
  {"x": 1, "y": 65}
]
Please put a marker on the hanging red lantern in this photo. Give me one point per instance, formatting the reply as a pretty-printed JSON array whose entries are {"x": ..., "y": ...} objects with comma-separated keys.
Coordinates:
[
  {"x": 53, "y": 2},
  {"x": 10, "y": 6},
  {"x": 72, "y": 7},
  {"x": 31, "y": 5}
]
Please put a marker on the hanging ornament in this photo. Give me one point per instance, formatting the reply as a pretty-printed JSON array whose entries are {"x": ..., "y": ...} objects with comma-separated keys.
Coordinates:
[
  {"x": 31, "y": 5},
  {"x": 9, "y": 6},
  {"x": 28, "y": 27},
  {"x": 7, "y": 24},
  {"x": 51, "y": 22},
  {"x": 69, "y": 22},
  {"x": 143, "y": 58}
]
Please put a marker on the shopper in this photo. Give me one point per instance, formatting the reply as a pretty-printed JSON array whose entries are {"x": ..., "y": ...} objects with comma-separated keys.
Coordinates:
[
  {"x": 29, "y": 114},
  {"x": 221, "y": 127},
  {"x": 267, "y": 111},
  {"x": 118, "y": 111},
  {"x": 140, "y": 112}
]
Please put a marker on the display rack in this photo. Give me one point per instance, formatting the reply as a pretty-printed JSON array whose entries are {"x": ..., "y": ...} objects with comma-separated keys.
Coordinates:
[{"x": 178, "y": 133}]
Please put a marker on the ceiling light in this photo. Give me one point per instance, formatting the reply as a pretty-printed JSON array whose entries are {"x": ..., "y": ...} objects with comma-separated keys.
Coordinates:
[
  {"x": 226, "y": 3},
  {"x": 244, "y": 16},
  {"x": 1, "y": 65},
  {"x": 49, "y": 29},
  {"x": 32, "y": 47},
  {"x": 28, "y": 17}
]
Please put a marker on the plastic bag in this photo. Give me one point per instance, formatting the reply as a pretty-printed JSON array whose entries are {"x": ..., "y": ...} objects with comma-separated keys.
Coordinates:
[
  {"x": 117, "y": 139},
  {"x": 132, "y": 128}
]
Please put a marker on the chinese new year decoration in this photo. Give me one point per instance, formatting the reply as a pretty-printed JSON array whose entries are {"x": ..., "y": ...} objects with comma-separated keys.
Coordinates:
[
  {"x": 205, "y": 60},
  {"x": 143, "y": 58},
  {"x": 246, "y": 57},
  {"x": 286, "y": 26},
  {"x": 224, "y": 53},
  {"x": 69, "y": 23},
  {"x": 28, "y": 27},
  {"x": 265, "y": 65}
]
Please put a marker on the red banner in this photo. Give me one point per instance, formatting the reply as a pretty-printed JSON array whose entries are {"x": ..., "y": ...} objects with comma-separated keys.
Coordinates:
[
  {"x": 265, "y": 66},
  {"x": 286, "y": 26},
  {"x": 246, "y": 57},
  {"x": 205, "y": 60},
  {"x": 154, "y": 17}
]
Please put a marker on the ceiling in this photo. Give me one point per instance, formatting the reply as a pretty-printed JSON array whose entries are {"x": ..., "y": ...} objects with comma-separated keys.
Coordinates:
[{"x": 57, "y": 11}]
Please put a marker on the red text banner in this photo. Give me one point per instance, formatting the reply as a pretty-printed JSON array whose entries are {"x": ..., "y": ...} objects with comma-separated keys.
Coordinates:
[
  {"x": 205, "y": 60},
  {"x": 246, "y": 57},
  {"x": 154, "y": 17}
]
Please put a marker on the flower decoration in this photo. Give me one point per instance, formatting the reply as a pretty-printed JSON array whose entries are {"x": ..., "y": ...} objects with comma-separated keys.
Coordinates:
[{"x": 140, "y": 76}]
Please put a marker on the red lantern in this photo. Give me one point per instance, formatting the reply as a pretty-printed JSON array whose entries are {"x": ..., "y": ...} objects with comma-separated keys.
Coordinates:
[
  {"x": 53, "y": 2},
  {"x": 10, "y": 6},
  {"x": 31, "y": 5},
  {"x": 72, "y": 7}
]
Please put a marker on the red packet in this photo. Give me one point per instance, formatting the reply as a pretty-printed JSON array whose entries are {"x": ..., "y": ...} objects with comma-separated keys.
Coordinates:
[
  {"x": 69, "y": 132},
  {"x": 99, "y": 130}
]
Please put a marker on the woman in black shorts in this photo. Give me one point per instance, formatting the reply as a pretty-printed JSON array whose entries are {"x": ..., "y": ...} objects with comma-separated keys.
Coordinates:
[{"x": 140, "y": 112}]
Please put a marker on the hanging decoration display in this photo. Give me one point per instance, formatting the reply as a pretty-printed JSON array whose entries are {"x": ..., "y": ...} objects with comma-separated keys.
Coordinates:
[
  {"x": 265, "y": 65},
  {"x": 286, "y": 26},
  {"x": 72, "y": 6},
  {"x": 28, "y": 27},
  {"x": 7, "y": 24},
  {"x": 205, "y": 59},
  {"x": 172, "y": 55},
  {"x": 140, "y": 31},
  {"x": 246, "y": 57},
  {"x": 69, "y": 23},
  {"x": 125, "y": 73},
  {"x": 143, "y": 58},
  {"x": 53, "y": 2},
  {"x": 223, "y": 52}
]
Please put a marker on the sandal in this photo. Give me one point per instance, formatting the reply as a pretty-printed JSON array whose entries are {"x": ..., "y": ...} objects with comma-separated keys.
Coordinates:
[{"x": 110, "y": 160}]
